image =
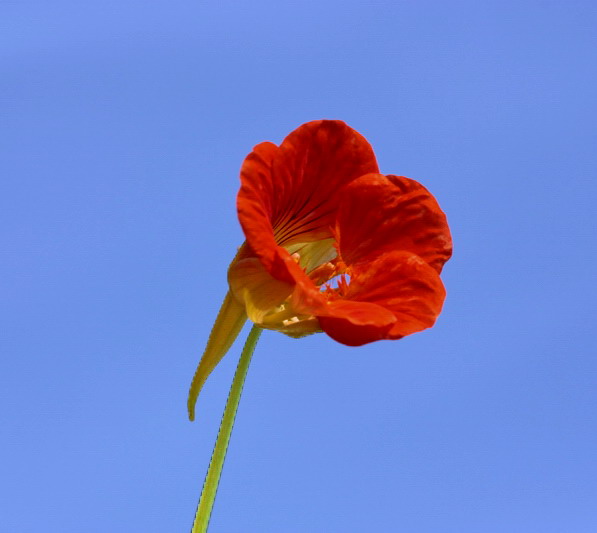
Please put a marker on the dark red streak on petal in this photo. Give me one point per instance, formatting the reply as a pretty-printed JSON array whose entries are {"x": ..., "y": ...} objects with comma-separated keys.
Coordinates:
[{"x": 290, "y": 193}]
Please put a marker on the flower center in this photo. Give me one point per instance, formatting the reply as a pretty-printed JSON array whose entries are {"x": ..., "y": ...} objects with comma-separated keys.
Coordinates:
[{"x": 337, "y": 285}]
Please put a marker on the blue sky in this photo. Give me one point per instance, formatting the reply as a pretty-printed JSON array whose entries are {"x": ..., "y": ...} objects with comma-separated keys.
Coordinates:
[{"x": 124, "y": 125}]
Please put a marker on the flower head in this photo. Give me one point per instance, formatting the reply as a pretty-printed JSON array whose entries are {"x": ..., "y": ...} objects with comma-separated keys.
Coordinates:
[{"x": 331, "y": 245}]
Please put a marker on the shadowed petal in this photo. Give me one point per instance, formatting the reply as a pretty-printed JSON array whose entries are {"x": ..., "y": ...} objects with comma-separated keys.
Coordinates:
[{"x": 255, "y": 288}]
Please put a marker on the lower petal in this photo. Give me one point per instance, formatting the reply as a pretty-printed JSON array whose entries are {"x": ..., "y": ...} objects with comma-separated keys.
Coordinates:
[
  {"x": 396, "y": 284},
  {"x": 356, "y": 323}
]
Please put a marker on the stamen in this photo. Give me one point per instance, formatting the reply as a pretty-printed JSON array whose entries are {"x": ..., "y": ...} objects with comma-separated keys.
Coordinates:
[{"x": 338, "y": 284}]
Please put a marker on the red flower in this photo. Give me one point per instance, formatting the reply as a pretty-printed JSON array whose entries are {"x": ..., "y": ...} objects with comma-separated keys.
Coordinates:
[{"x": 315, "y": 210}]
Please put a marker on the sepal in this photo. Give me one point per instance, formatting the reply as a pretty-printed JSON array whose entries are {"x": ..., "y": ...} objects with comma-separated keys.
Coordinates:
[{"x": 230, "y": 320}]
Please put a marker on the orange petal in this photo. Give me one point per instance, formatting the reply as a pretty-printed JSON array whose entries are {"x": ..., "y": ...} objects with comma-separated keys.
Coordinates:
[
  {"x": 290, "y": 195},
  {"x": 399, "y": 283},
  {"x": 229, "y": 322},
  {"x": 379, "y": 214}
]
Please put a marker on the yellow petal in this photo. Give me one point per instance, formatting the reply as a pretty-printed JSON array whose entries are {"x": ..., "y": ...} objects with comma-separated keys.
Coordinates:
[
  {"x": 258, "y": 291},
  {"x": 230, "y": 320}
]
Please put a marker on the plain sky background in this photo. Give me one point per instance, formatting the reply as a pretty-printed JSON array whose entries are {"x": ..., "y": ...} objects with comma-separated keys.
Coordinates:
[{"x": 123, "y": 128}]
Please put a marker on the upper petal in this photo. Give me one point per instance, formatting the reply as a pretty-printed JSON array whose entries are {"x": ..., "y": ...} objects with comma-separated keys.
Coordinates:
[
  {"x": 255, "y": 207},
  {"x": 289, "y": 194},
  {"x": 378, "y": 214}
]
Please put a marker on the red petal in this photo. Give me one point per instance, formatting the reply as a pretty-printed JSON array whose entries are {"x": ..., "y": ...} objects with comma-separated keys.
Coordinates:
[
  {"x": 356, "y": 323},
  {"x": 290, "y": 194},
  {"x": 379, "y": 214},
  {"x": 255, "y": 207},
  {"x": 400, "y": 283}
]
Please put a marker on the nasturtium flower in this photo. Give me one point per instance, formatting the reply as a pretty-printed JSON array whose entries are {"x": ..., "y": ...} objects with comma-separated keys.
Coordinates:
[{"x": 331, "y": 246}]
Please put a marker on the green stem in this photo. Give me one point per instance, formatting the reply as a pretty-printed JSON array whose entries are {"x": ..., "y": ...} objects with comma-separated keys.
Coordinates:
[{"x": 210, "y": 486}]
